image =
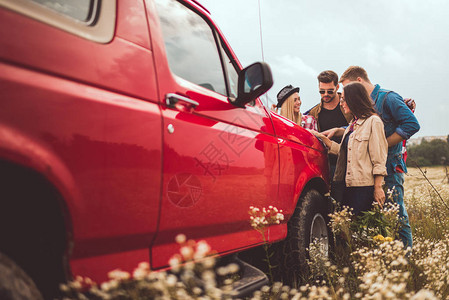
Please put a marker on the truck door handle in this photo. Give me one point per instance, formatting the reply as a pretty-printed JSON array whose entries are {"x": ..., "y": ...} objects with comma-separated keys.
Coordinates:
[{"x": 180, "y": 103}]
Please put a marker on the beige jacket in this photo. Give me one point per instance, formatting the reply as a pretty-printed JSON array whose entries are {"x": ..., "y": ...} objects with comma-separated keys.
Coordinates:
[{"x": 367, "y": 153}]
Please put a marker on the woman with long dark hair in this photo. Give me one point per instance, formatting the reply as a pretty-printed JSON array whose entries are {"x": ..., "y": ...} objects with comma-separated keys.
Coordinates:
[{"x": 362, "y": 154}]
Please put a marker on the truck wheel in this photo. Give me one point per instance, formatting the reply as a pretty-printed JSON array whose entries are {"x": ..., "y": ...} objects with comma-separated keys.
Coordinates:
[
  {"x": 308, "y": 223},
  {"x": 15, "y": 284}
]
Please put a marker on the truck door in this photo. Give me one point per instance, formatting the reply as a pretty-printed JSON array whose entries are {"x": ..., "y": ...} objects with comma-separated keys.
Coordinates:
[
  {"x": 219, "y": 159},
  {"x": 86, "y": 115}
]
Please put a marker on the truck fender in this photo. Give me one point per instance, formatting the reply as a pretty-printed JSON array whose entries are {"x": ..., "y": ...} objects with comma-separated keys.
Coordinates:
[{"x": 26, "y": 151}]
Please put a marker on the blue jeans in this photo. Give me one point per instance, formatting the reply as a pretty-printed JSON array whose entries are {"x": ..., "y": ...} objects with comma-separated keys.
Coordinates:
[{"x": 396, "y": 181}]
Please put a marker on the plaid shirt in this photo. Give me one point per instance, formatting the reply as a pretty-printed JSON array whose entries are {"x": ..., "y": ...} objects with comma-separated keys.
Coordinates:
[{"x": 309, "y": 122}]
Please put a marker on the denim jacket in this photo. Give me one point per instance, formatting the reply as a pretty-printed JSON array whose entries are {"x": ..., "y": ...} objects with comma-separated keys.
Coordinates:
[{"x": 397, "y": 117}]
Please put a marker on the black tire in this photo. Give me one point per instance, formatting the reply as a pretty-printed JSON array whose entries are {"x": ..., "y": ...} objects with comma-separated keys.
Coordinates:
[
  {"x": 15, "y": 284},
  {"x": 310, "y": 219},
  {"x": 33, "y": 231}
]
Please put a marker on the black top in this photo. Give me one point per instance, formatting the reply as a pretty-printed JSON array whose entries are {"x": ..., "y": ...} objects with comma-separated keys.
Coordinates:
[{"x": 330, "y": 119}]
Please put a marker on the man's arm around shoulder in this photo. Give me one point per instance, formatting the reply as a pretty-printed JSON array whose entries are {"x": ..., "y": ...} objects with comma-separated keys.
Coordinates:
[{"x": 407, "y": 124}]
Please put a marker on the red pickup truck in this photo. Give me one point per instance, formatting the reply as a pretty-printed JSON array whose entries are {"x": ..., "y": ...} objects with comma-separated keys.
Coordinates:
[{"x": 124, "y": 123}]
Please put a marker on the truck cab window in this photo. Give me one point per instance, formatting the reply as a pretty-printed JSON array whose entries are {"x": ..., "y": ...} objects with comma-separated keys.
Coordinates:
[
  {"x": 191, "y": 48},
  {"x": 82, "y": 10}
]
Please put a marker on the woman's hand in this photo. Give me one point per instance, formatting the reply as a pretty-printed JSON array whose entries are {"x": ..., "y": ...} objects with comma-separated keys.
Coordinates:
[
  {"x": 337, "y": 132},
  {"x": 410, "y": 103},
  {"x": 317, "y": 134},
  {"x": 379, "y": 195},
  {"x": 324, "y": 138}
]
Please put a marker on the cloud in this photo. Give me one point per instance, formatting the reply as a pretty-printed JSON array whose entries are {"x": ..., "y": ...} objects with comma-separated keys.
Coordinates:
[
  {"x": 403, "y": 45},
  {"x": 288, "y": 65},
  {"x": 291, "y": 69},
  {"x": 386, "y": 55},
  {"x": 372, "y": 54},
  {"x": 393, "y": 56}
]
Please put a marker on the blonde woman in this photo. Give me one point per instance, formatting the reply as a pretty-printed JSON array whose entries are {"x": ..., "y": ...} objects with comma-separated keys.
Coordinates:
[{"x": 290, "y": 103}]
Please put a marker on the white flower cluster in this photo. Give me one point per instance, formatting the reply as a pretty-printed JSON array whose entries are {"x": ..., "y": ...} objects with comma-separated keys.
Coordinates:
[
  {"x": 189, "y": 279},
  {"x": 279, "y": 291},
  {"x": 341, "y": 221},
  {"x": 189, "y": 252},
  {"x": 262, "y": 218},
  {"x": 433, "y": 259},
  {"x": 390, "y": 210},
  {"x": 383, "y": 271}
]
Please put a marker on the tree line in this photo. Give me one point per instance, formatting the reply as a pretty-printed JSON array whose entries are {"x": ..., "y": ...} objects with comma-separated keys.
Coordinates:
[{"x": 429, "y": 153}]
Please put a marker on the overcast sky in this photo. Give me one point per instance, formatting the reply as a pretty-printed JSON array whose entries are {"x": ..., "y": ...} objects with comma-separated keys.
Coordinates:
[{"x": 403, "y": 45}]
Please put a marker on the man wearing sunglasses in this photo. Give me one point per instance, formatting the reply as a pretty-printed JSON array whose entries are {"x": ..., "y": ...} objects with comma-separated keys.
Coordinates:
[{"x": 328, "y": 113}]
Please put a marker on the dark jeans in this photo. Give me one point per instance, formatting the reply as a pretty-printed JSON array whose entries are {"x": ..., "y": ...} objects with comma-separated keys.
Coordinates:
[{"x": 359, "y": 198}]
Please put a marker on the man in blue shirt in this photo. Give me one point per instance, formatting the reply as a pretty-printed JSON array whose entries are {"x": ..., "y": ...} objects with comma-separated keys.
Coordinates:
[{"x": 400, "y": 124}]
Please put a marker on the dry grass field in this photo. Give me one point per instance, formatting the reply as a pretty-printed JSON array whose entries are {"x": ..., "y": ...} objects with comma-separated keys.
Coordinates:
[
  {"x": 427, "y": 201},
  {"x": 437, "y": 175}
]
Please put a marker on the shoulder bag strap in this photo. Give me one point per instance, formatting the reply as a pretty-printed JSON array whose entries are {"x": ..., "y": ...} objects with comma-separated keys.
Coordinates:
[{"x": 382, "y": 106}]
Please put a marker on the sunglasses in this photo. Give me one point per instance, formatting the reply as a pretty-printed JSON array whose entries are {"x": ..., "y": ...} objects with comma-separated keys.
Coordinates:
[{"x": 330, "y": 92}]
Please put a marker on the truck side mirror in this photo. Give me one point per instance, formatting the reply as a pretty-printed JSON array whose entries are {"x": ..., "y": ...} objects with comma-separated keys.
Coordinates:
[{"x": 253, "y": 81}]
